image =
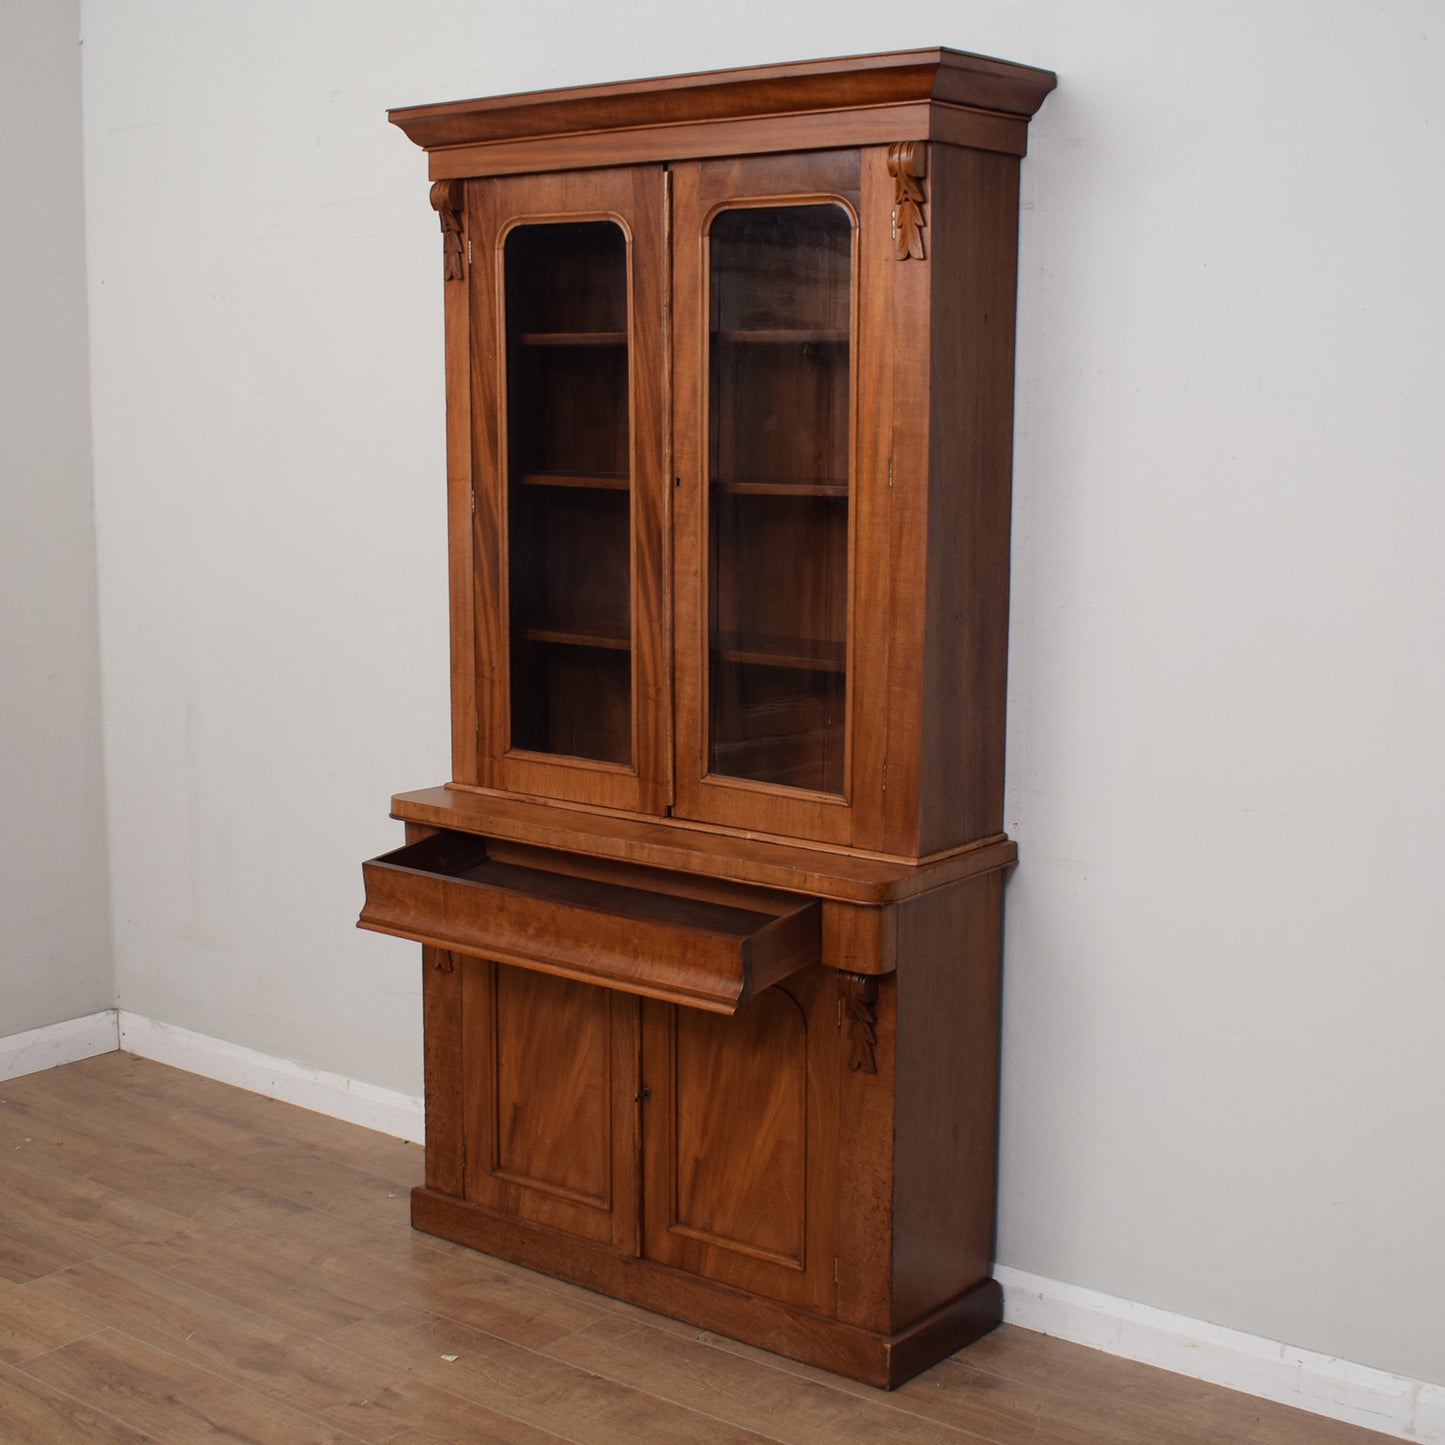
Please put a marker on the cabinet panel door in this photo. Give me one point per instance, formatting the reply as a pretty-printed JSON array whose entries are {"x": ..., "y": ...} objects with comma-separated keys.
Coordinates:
[
  {"x": 549, "y": 1100},
  {"x": 775, "y": 445},
  {"x": 740, "y": 1141},
  {"x": 568, "y": 294}
]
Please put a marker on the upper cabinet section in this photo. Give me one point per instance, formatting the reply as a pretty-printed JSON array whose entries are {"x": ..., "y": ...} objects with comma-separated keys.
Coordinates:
[{"x": 730, "y": 364}]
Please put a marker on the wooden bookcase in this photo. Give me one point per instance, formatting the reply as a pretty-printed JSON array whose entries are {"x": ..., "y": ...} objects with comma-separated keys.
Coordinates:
[{"x": 711, "y": 905}]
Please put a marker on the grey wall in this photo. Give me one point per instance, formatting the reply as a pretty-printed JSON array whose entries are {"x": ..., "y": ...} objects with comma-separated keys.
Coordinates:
[{"x": 55, "y": 953}]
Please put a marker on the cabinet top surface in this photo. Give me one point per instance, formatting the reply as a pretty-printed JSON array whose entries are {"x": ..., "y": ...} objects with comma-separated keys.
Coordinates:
[{"x": 856, "y": 82}]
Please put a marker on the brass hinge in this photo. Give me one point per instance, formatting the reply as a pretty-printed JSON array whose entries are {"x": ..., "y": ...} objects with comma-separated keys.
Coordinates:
[
  {"x": 890, "y": 472},
  {"x": 474, "y": 501},
  {"x": 885, "y": 777},
  {"x": 469, "y": 250},
  {"x": 835, "y": 1269}
]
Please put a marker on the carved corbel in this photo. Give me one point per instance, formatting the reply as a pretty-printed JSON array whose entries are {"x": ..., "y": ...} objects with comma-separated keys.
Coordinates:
[
  {"x": 446, "y": 199},
  {"x": 907, "y": 164},
  {"x": 860, "y": 1016}
]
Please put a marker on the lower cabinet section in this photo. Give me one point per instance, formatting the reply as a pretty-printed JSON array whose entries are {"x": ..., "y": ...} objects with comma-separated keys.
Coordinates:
[{"x": 813, "y": 1174}]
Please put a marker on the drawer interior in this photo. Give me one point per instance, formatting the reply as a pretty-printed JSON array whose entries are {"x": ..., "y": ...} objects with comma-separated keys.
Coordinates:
[{"x": 704, "y": 944}]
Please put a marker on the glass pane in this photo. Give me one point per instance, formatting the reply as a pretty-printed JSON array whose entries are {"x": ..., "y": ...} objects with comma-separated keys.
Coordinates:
[
  {"x": 779, "y": 388},
  {"x": 568, "y": 491}
]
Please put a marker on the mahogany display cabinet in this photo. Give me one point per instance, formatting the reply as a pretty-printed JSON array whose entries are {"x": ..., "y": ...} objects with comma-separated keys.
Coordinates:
[{"x": 711, "y": 907}]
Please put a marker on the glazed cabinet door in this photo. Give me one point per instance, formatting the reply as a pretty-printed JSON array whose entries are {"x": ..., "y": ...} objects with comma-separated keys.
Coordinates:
[
  {"x": 780, "y": 473},
  {"x": 740, "y": 1140},
  {"x": 549, "y": 1100},
  {"x": 568, "y": 552}
]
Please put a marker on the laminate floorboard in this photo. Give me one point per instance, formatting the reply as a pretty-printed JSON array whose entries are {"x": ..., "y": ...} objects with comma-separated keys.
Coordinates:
[{"x": 181, "y": 1261}]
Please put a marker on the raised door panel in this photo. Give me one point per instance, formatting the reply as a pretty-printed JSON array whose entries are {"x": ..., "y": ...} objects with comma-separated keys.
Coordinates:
[
  {"x": 740, "y": 1141},
  {"x": 569, "y": 456},
  {"x": 550, "y": 1068},
  {"x": 779, "y": 468}
]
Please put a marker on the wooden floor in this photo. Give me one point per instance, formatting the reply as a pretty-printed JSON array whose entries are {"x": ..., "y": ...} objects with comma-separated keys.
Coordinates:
[{"x": 181, "y": 1261}]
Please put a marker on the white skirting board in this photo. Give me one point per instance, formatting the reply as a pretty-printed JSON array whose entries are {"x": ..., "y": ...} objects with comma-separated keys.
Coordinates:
[
  {"x": 1375, "y": 1399},
  {"x": 1357, "y": 1394},
  {"x": 65, "y": 1043},
  {"x": 386, "y": 1110}
]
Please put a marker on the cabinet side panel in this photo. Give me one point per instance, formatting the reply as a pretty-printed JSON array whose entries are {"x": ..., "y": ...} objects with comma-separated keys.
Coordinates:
[
  {"x": 946, "y": 1075},
  {"x": 442, "y": 1070},
  {"x": 973, "y": 217}
]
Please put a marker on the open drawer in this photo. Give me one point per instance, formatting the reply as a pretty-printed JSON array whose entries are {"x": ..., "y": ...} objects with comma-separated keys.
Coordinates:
[{"x": 449, "y": 890}]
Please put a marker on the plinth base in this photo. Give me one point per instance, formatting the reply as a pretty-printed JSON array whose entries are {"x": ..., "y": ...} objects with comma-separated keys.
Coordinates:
[{"x": 875, "y": 1359}]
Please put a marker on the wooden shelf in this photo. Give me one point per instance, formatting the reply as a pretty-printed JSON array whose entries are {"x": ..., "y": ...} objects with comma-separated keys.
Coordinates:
[
  {"x": 573, "y": 338},
  {"x": 829, "y": 488},
  {"x": 780, "y": 336},
  {"x": 799, "y": 653},
  {"x": 588, "y": 481},
  {"x": 572, "y": 637}
]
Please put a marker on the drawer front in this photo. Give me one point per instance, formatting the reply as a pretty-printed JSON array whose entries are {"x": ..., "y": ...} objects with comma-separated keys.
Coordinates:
[{"x": 448, "y": 892}]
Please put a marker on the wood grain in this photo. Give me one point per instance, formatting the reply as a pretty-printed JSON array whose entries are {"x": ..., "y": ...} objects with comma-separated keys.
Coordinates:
[
  {"x": 34, "y": 1413},
  {"x": 973, "y": 212},
  {"x": 739, "y": 1144},
  {"x": 944, "y": 1159},
  {"x": 572, "y": 1402},
  {"x": 693, "y": 140},
  {"x": 173, "y": 1401},
  {"x": 31, "y": 1325}
]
